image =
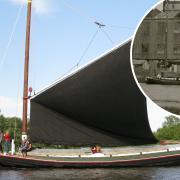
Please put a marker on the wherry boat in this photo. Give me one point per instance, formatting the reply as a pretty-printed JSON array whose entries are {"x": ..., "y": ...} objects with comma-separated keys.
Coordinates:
[
  {"x": 169, "y": 158},
  {"x": 99, "y": 103},
  {"x": 163, "y": 81}
]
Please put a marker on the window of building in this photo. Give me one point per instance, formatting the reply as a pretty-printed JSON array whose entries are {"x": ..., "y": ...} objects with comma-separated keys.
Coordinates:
[
  {"x": 161, "y": 28},
  {"x": 145, "y": 48},
  {"x": 145, "y": 28},
  {"x": 177, "y": 27},
  {"x": 178, "y": 15},
  {"x": 176, "y": 38},
  {"x": 176, "y": 49},
  {"x": 160, "y": 48}
]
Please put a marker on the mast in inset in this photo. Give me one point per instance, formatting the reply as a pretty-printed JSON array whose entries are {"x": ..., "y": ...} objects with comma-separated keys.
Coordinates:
[{"x": 166, "y": 33}]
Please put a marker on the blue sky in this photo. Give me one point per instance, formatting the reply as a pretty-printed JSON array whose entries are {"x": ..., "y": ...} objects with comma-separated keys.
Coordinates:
[{"x": 61, "y": 31}]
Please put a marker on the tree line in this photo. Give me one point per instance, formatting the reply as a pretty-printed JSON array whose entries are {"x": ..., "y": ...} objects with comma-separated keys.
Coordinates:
[
  {"x": 170, "y": 129},
  {"x": 13, "y": 125}
]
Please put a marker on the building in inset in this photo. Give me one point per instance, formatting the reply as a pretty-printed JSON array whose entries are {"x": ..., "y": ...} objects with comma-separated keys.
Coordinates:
[{"x": 158, "y": 39}]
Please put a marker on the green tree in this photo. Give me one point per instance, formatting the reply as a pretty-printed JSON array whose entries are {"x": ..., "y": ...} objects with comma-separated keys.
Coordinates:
[
  {"x": 13, "y": 124},
  {"x": 170, "y": 129},
  {"x": 171, "y": 121}
]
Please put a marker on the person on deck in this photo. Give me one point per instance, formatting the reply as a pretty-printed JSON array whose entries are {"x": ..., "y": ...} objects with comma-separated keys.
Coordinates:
[
  {"x": 96, "y": 149},
  {"x": 93, "y": 149},
  {"x": 7, "y": 139},
  {"x": 1, "y": 138},
  {"x": 25, "y": 147},
  {"x": 23, "y": 142}
]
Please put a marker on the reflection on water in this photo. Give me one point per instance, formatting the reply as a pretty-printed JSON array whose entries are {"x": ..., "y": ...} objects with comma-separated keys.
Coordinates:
[
  {"x": 162, "y": 92},
  {"x": 93, "y": 174}
]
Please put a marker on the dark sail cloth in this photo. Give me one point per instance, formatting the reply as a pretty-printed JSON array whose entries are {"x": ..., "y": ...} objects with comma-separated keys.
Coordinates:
[{"x": 98, "y": 104}]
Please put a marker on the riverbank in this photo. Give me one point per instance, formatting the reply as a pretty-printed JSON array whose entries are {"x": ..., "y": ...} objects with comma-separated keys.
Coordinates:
[{"x": 166, "y": 96}]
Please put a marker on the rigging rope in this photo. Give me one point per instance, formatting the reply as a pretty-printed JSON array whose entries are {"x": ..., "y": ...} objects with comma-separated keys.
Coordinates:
[
  {"x": 83, "y": 54},
  {"x": 107, "y": 35},
  {"x": 92, "y": 20},
  {"x": 68, "y": 71},
  {"x": 87, "y": 48},
  {"x": 79, "y": 11},
  {"x": 2, "y": 60},
  {"x": 11, "y": 36},
  {"x": 121, "y": 27},
  {"x": 17, "y": 103}
]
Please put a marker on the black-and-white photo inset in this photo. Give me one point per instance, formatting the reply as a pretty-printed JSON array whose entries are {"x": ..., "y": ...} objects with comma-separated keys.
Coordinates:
[{"x": 155, "y": 55}]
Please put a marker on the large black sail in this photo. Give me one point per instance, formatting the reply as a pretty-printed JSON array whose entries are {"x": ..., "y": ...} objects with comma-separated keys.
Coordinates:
[{"x": 99, "y": 103}]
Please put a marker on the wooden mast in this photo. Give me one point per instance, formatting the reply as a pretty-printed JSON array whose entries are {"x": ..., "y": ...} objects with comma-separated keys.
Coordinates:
[{"x": 26, "y": 72}]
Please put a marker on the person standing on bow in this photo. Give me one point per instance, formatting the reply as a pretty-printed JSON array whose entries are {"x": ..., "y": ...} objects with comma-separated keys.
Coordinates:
[
  {"x": 1, "y": 138},
  {"x": 7, "y": 142}
]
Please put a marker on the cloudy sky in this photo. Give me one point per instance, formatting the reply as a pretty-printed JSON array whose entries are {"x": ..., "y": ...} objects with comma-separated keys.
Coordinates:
[
  {"x": 39, "y": 6},
  {"x": 61, "y": 32}
]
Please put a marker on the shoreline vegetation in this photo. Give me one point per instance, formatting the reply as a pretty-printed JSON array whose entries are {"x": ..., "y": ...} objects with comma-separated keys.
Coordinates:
[
  {"x": 170, "y": 130},
  {"x": 169, "y": 133}
]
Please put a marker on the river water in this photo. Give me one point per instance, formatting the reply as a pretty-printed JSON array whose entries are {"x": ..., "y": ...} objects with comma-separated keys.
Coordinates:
[
  {"x": 166, "y": 96},
  {"x": 164, "y": 173}
]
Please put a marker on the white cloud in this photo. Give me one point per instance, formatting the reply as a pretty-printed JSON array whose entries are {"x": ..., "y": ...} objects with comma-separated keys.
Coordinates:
[
  {"x": 10, "y": 107},
  {"x": 39, "y": 6},
  {"x": 43, "y": 6},
  {"x": 18, "y": 1}
]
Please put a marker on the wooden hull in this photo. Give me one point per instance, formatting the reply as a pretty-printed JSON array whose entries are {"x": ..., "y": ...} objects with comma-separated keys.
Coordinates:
[
  {"x": 155, "y": 159},
  {"x": 164, "y": 81}
]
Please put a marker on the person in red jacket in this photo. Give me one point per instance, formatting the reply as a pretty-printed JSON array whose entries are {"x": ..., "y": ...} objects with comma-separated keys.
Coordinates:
[
  {"x": 96, "y": 149},
  {"x": 1, "y": 138},
  {"x": 93, "y": 149},
  {"x": 7, "y": 142}
]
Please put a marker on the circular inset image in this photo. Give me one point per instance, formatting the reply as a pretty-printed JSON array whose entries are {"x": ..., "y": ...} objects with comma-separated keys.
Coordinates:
[{"x": 155, "y": 55}]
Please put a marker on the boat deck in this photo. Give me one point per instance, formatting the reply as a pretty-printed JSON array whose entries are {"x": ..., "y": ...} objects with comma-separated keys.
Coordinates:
[{"x": 105, "y": 157}]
